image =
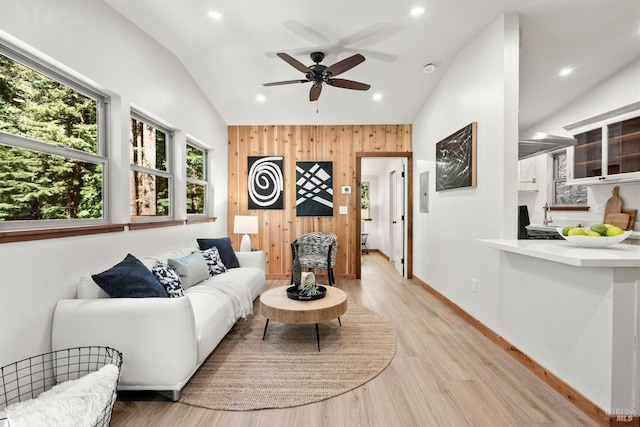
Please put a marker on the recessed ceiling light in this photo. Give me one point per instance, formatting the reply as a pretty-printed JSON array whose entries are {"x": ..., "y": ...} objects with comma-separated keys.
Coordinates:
[
  {"x": 417, "y": 11},
  {"x": 377, "y": 96},
  {"x": 215, "y": 14},
  {"x": 261, "y": 98},
  {"x": 566, "y": 71}
]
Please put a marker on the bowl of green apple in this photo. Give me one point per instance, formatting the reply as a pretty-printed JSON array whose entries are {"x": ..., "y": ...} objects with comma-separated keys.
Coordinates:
[{"x": 595, "y": 236}]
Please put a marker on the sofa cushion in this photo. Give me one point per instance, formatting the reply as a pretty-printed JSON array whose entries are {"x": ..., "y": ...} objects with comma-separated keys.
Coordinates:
[
  {"x": 129, "y": 279},
  {"x": 254, "y": 278},
  {"x": 149, "y": 261},
  {"x": 192, "y": 269},
  {"x": 227, "y": 254},
  {"x": 212, "y": 256},
  {"x": 89, "y": 289},
  {"x": 211, "y": 314},
  {"x": 169, "y": 278}
]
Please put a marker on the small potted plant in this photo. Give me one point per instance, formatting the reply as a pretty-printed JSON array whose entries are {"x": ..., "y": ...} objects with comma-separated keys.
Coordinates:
[{"x": 308, "y": 286}]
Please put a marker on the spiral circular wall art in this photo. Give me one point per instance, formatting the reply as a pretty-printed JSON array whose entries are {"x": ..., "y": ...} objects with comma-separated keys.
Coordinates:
[{"x": 265, "y": 182}]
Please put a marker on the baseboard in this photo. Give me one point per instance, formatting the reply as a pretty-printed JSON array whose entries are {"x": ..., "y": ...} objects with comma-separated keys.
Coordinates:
[
  {"x": 589, "y": 408},
  {"x": 379, "y": 252}
]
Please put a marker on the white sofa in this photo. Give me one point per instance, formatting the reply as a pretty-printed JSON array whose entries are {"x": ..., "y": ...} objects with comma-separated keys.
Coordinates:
[{"x": 163, "y": 340}]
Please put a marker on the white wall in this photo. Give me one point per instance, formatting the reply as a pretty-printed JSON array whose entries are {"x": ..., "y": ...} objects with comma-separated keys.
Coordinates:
[
  {"x": 93, "y": 40},
  {"x": 559, "y": 315},
  {"x": 622, "y": 88},
  {"x": 481, "y": 85}
]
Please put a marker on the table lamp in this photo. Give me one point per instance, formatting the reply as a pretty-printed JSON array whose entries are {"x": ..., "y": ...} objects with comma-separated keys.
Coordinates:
[{"x": 245, "y": 225}]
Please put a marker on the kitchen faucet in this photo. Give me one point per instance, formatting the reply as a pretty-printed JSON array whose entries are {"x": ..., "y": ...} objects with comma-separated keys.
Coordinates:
[{"x": 547, "y": 208}]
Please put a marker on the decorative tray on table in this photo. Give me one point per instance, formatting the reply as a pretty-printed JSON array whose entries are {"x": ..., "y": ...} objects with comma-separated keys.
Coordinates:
[{"x": 294, "y": 293}]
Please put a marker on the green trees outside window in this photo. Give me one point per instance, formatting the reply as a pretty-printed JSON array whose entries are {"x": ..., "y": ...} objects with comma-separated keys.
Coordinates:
[
  {"x": 150, "y": 177},
  {"x": 364, "y": 200},
  {"x": 196, "y": 180},
  {"x": 50, "y": 163}
]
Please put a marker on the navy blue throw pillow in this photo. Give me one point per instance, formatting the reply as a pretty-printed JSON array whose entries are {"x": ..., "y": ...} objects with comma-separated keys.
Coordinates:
[
  {"x": 227, "y": 254},
  {"x": 130, "y": 279}
]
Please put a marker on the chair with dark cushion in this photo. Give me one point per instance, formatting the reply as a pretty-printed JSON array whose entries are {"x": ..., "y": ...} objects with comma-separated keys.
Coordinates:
[{"x": 317, "y": 250}]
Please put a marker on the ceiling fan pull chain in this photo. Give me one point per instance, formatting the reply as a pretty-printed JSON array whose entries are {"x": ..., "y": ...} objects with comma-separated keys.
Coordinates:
[{"x": 317, "y": 106}]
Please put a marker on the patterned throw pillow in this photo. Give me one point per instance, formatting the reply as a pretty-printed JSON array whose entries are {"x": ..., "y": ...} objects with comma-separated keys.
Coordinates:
[
  {"x": 212, "y": 256},
  {"x": 169, "y": 279},
  {"x": 227, "y": 254}
]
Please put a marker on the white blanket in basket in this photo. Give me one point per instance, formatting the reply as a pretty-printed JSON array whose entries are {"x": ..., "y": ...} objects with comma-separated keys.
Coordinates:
[{"x": 72, "y": 403}]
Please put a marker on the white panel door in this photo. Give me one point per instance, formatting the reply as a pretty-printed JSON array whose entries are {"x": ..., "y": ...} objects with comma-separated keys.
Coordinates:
[{"x": 396, "y": 180}]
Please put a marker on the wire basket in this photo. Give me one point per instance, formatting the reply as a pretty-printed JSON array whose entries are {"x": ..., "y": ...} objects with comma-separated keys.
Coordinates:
[{"x": 28, "y": 378}]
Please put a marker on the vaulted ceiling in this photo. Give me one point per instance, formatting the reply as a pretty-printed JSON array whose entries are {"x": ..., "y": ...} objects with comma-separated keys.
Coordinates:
[{"x": 230, "y": 56}]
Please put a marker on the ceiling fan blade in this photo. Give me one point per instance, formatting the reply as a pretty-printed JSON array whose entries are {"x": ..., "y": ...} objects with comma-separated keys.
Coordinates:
[
  {"x": 296, "y": 51},
  {"x": 294, "y": 62},
  {"x": 344, "y": 65},
  {"x": 314, "y": 92},
  {"x": 304, "y": 32},
  {"x": 365, "y": 33},
  {"x": 286, "y": 82},
  {"x": 348, "y": 84},
  {"x": 380, "y": 56}
]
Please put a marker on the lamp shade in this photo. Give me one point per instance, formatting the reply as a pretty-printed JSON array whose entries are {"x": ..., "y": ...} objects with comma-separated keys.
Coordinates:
[{"x": 245, "y": 224}]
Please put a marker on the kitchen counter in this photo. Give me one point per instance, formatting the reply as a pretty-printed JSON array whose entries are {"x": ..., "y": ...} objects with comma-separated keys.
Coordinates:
[
  {"x": 618, "y": 255},
  {"x": 575, "y": 312}
]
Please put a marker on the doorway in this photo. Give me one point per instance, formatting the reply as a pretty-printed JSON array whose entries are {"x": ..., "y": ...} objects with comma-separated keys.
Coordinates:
[{"x": 397, "y": 206}]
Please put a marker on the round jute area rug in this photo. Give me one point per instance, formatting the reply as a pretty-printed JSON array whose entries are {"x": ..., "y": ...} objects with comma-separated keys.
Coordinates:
[{"x": 286, "y": 369}]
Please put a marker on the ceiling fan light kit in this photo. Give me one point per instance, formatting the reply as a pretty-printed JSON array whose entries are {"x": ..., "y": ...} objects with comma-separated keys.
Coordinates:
[{"x": 317, "y": 74}]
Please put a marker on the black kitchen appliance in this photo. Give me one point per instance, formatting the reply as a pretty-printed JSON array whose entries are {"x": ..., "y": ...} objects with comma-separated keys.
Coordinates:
[{"x": 524, "y": 234}]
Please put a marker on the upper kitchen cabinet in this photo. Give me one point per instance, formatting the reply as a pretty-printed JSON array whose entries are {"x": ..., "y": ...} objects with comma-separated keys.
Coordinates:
[
  {"x": 528, "y": 174},
  {"x": 608, "y": 147}
]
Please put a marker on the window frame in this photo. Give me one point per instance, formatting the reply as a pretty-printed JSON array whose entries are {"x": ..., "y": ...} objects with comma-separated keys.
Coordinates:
[
  {"x": 138, "y": 114},
  {"x": 83, "y": 86},
  {"x": 193, "y": 143}
]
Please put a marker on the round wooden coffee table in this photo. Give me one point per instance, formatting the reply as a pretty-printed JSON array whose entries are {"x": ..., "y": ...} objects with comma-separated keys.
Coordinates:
[{"x": 276, "y": 306}]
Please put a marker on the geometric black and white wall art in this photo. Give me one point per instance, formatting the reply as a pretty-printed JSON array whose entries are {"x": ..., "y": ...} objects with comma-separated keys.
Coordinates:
[
  {"x": 456, "y": 159},
  {"x": 314, "y": 188},
  {"x": 266, "y": 182}
]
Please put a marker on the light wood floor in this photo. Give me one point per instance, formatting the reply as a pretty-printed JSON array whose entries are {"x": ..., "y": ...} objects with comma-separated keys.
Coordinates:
[{"x": 445, "y": 373}]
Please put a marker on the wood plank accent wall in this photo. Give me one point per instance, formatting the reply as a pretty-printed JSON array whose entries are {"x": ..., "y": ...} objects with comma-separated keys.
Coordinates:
[{"x": 338, "y": 144}]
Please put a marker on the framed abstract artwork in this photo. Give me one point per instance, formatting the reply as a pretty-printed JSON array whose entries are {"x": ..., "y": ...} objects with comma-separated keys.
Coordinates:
[
  {"x": 456, "y": 159},
  {"x": 314, "y": 188},
  {"x": 265, "y": 182}
]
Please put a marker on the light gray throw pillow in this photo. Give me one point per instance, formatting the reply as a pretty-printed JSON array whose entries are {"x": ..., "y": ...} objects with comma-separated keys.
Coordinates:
[{"x": 192, "y": 269}]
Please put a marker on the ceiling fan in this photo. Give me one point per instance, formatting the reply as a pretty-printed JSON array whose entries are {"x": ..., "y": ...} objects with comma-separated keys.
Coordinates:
[{"x": 318, "y": 74}]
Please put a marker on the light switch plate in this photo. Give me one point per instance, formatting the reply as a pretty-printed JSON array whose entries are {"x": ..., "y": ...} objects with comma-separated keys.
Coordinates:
[
  {"x": 343, "y": 210},
  {"x": 346, "y": 189}
]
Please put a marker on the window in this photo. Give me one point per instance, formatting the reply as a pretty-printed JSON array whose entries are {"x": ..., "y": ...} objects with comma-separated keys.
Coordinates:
[
  {"x": 151, "y": 175},
  {"x": 364, "y": 200},
  {"x": 563, "y": 194},
  {"x": 53, "y": 160},
  {"x": 196, "y": 162}
]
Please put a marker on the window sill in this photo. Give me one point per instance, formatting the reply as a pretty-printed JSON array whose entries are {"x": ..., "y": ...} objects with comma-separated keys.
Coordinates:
[
  {"x": 201, "y": 220},
  {"x": 145, "y": 225},
  {"x": 570, "y": 208},
  {"x": 55, "y": 233}
]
